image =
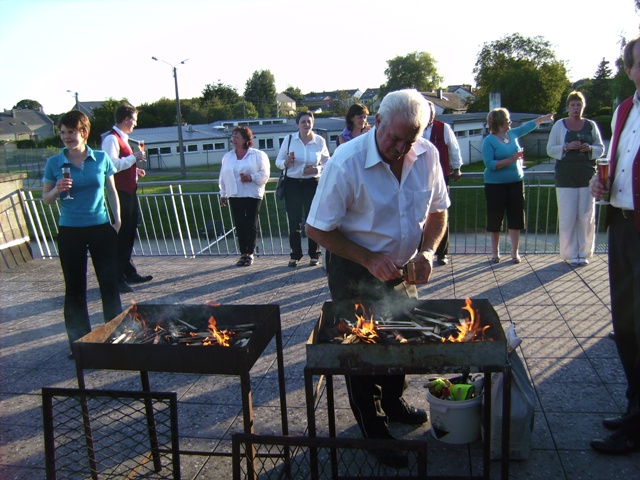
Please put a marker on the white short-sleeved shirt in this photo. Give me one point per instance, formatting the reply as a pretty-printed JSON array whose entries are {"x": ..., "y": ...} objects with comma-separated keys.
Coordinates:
[{"x": 359, "y": 195}]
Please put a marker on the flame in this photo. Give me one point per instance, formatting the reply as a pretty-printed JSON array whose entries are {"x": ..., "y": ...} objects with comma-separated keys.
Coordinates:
[
  {"x": 221, "y": 337},
  {"x": 137, "y": 316},
  {"x": 469, "y": 328},
  {"x": 365, "y": 329}
]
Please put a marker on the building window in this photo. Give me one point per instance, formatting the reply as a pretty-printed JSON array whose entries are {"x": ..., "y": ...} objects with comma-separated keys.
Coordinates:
[
  {"x": 475, "y": 131},
  {"x": 333, "y": 138},
  {"x": 192, "y": 148},
  {"x": 220, "y": 146},
  {"x": 461, "y": 133},
  {"x": 265, "y": 144},
  {"x": 207, "y": 146},
  {"x": 152, "y": 151},
  {"x": 165, "y": 150}
]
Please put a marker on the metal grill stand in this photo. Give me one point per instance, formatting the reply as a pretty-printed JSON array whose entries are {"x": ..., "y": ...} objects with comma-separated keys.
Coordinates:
[
  {"x": 92, "y": 352},
  {"x": 366, "y": 359}
]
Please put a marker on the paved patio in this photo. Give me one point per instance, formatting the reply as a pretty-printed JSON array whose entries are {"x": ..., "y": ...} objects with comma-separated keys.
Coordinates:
[{"x": 562, "y": 314}]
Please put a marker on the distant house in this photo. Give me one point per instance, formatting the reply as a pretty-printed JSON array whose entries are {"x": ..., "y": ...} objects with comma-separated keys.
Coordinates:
[
  {"x": 463, "y": 91},
  {"x": 25, "y": 124},
  {"x": 371, "y": 99},
  {"x": 88, "y": 107},
  {"x": 286, "y": 104},
  {"x": 331, "y": 100},
  {"x": 446, "y": 102}
]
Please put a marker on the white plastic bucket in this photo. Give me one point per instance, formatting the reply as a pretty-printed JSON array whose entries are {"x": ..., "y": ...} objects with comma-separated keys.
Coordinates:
[{"x": 454, "y": 421}]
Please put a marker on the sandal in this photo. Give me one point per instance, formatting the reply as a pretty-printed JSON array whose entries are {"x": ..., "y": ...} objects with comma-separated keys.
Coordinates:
[
  {"x": 242, "y": 262},
  {"x": 495, "y": 259},
  {"x": 516, "y": 259}
]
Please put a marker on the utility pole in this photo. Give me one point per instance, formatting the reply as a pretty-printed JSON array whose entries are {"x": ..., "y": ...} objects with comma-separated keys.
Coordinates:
[{"x": 183, "y": 164}]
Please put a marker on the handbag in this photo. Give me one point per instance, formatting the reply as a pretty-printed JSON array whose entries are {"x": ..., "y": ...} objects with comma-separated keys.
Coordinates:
[
  {"x": 281, "y": 185},
  {"x": 282, "y": 181}
]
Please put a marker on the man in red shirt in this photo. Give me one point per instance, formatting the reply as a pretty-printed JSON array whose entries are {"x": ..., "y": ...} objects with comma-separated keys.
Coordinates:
[
  {"x": 623, "y": 220},
  {"x": 116, "y": 145}
]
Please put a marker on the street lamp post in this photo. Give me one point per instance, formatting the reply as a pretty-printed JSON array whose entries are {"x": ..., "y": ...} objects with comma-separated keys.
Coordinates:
[
  {"x": 183, "y": 165},
  {"x": 76, "y": 95}
]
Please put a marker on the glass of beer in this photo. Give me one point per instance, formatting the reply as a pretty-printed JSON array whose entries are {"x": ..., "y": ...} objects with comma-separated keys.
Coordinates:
[
  {"x": 141, "y": 145},
  {"x": 603, "y": 176},
  {"x": 66, "y": 173}
]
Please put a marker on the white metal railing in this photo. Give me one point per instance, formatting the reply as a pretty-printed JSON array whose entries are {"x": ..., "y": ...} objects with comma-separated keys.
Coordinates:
[{"x": 189, "y": 221}]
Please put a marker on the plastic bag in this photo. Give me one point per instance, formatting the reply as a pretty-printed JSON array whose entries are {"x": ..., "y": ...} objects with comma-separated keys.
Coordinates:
[{"x": 522, "y": 411}]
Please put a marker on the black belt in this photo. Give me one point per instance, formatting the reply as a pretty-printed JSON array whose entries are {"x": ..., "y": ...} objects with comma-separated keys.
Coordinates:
[
  {"x": 626, "y": 214},
  {"x": 303, "y": 180}
]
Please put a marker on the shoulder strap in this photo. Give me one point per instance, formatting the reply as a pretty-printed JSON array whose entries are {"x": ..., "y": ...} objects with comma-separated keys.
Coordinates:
[{"x": 288, "y": 147}]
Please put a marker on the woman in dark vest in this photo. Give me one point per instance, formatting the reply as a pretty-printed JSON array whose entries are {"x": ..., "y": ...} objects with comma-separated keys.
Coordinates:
[{"x": 575, "y": 143}]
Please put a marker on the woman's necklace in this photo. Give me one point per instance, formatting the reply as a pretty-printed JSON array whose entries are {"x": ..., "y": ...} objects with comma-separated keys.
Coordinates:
[{"x": 504, "y": 138}]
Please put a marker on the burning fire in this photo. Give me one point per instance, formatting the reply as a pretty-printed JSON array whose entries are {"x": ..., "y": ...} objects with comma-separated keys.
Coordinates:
[
  {"x": 221, "y": 337},
  {"x": 469, "y": 328},
  {"x": 365, "y": 330}
]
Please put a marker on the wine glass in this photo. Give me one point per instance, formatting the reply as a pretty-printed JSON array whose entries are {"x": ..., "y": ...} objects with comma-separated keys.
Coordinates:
[
  {"x": 66, "y": 173},
  {"x": 521, "y": 154},
  {"x": 603, "y": 176}
]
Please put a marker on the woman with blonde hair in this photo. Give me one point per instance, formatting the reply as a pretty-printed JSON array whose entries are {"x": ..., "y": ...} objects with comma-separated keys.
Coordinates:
[
  {"x": 504, "y": 178},
  {"x": 575, "y": 143}
]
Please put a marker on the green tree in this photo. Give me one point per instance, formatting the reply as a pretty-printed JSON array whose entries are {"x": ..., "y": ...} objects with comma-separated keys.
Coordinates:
[
  {"x": 161, "y": 113},
  {"x": 294, "y": 93},
  {"x": 414, "y": 70},
  {"x": 223, "y": 93},
  {"x": 103, "y": 120},
  {"x": 28, "y": 105},
  {"x": 261, "y": 91},
  {"x": 599, "y": 91},
  {"x": 621, "y": 86},
  {"x": 524, "y": 71},
  {"x": 243, "y": 110}
]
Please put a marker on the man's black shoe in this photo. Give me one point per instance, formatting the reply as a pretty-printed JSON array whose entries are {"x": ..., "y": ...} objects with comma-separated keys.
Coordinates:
[
  {"x": 391, "y": 458},
  {"x": 613, "y": 423},
  {"x": 405, "y": 413},
  {"x": 618, "y": 443},
  {"x": 136, "y": 278},
  {"x": 443, "y": 259},
  {"x": 124, "y": 287}
]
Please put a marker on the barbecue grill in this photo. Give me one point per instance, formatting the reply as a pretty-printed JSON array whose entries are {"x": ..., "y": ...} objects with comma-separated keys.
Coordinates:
[
  {"x": 96, "y": 350},
  {"x": 490, "y": 355}
]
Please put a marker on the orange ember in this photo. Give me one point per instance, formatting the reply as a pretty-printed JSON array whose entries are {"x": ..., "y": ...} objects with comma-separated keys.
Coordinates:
[
  {"x": 470, "y": 328},
  {"x": 365, "y": 329},
  {"x": 221, "y": 337}
]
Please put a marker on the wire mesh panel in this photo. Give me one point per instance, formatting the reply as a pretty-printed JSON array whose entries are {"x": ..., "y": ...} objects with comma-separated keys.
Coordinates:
[
  {"x": 106, "y": 434},
  {"x": 321, "y": 458}
]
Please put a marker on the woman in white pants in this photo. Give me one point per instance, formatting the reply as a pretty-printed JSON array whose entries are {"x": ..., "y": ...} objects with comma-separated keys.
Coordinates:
[{"x": 575, "y": 143}]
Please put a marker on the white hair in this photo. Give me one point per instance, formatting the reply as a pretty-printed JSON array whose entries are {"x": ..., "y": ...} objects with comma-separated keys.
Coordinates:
[{"x": 409, "y": 105}]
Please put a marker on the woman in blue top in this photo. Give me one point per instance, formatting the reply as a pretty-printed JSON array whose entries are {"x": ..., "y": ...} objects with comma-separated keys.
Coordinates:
[
  {"x": 503, "y": 178},
  {"x": 84, "y": 222}
]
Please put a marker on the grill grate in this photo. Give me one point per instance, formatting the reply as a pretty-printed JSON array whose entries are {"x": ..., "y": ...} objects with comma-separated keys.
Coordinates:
[{"x": 116, "y": 439}]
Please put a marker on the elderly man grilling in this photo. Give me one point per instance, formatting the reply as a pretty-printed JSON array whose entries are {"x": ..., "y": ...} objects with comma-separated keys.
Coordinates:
[{"x": 381, "y": 205}]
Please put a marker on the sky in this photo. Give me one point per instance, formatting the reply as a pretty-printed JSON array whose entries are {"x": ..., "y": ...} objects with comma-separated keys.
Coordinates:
[{"x": 102, "y": 49}]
